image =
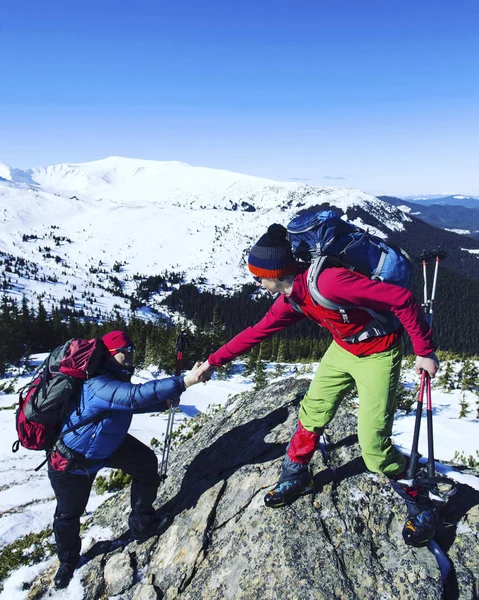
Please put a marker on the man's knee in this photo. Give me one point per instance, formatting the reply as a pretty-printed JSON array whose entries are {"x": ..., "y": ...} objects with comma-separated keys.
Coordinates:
[
  {"x": 149, "y": 462},
  {"x": 68, "y": 514},
  {"x": 147, "y": 467}
]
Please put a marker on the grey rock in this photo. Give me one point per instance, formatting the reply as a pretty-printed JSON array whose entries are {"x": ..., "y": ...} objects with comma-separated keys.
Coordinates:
[
  {"x": 146, "y": 592},
  {"x": 343, "y": 543},
  {"x": 118, "y": 574}
]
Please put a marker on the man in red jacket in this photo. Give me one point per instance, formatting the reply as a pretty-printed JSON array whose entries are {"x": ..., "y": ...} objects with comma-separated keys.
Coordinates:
[{"x": 358, "y": 354}]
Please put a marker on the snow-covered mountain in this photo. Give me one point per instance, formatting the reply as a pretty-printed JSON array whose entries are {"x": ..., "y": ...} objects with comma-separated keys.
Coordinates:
[
  {"x": 445, "y": 199},
  {"x": 73, "y": 226},
  {"x": 457, "y": 218}
]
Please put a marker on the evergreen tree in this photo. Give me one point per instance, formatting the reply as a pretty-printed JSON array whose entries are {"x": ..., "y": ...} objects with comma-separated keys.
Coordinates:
[
  {"x": 405, "y": 396},
  {"x": 26, "y": 323},
  {"x": 259, "y": 377},
  {"x": 284, "y": 354},
  {"x": 252, "y": 357},
  {"x": 470, "y": 376},
  {"x": 279, "y": 370},
  {"x": 151, "y": 351},
  {"x": 447, "y": 378},
  {"x": 464, "y": 406},
  {"x": 218, "y": 328},
  {"x": 43, "y": 337},
  {"x": 224, "y": 373}
]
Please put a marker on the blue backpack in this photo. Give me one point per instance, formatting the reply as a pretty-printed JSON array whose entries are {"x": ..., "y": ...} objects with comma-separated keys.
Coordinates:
[{"x": 323, "y": 239}]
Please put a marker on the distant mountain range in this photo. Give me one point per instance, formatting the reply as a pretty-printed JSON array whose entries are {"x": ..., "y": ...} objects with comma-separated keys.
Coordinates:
[
  {"x": 89, "y": 234},
  {"x": 451, "y": 199},
  {"x": 453, "y": 217}
]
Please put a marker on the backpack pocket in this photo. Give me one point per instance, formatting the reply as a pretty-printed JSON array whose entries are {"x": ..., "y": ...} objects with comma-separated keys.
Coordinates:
[{"x": 48, "y": 403}]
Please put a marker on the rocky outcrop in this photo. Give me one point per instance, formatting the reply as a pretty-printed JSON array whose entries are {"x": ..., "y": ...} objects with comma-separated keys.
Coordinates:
[{"x": 223, "y": 543}]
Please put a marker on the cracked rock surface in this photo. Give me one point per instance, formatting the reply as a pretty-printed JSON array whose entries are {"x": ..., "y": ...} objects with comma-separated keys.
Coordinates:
[{"x": 342, "y": 543}]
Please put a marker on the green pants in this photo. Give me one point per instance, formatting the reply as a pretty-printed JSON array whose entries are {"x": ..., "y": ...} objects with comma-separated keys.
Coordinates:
[{"x": 376, "y": 378}]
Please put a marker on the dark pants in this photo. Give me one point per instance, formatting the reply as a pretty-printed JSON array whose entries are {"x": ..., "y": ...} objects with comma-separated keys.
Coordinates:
[{"x": 72, "y": 492}]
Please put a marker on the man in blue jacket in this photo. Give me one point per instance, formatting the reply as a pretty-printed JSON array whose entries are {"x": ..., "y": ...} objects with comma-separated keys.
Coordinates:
[{"x": 104, "y": 441}]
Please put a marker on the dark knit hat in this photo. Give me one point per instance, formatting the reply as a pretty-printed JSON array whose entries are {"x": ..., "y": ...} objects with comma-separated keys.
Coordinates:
[
  {"x": 271, "y": 256},
  {"x": 116, "y": 340}
]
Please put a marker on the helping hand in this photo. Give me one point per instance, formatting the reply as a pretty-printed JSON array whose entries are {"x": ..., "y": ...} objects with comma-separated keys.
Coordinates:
[
  {"x": 429, "y": 363},
  {"x": 205, "y": 371},
  {"x": 199, "y": 373}
]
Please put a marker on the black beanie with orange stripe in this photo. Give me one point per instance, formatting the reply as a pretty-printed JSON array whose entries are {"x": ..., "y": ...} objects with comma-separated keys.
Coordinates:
[{"x": 271, "y": 257}]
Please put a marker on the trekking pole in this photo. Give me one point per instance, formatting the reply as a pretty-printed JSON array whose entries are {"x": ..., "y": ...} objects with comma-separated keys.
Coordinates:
[
  {"x": 180, "y": 347},
  {"x": 425, "y": 258},
  {"x": 414, "y": 457},
  {"x": 425, "y": 384},
  {"x": 438, "y": 255},
  {"x": 430, "y": 481}
]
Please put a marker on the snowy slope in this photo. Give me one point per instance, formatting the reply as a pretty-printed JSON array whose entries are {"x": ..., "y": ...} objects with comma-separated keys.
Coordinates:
[{"x": 149, "y": 216}]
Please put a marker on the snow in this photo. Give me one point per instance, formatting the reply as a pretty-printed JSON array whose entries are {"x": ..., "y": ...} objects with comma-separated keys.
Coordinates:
[
  {"x": 151, "y": 216},
  {"x": 471, "y": 250},
  {"x": 5, "y": 172},
  {"x": 26, "y": 498}
]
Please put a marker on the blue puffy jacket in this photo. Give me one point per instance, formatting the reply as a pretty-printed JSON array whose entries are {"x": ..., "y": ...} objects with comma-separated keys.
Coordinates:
[{"x": 114, "y": 399}]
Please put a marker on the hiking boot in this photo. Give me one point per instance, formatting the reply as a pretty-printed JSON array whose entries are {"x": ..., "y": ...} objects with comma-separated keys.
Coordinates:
[
  {"x": 421, "y": 528},
  {"x": 63, "y": 576},
  {"x": 159, "y": 524},
  {"x": 286, "y": 492}
]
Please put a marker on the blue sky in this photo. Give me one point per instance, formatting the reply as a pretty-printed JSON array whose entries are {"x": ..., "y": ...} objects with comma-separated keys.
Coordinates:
[{"x": 377, "y": 94}]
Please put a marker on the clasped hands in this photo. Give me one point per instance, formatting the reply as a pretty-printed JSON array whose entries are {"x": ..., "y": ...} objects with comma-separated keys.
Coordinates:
[{"x": 200, "y": 373}]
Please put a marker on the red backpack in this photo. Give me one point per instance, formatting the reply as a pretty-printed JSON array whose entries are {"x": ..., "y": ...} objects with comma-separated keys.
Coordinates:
[{"x": 43, "y": 403}]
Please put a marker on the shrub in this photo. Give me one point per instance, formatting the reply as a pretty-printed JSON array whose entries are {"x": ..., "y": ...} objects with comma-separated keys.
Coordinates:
[
  {"x": 116, "y": 482},
  {"x": 28, "y": 550},
  {"x": 8, "y": 387},
  {"x": 189, "y": 428},
  {"x": 467, "y": 461},
  {"x": 406, "y": 397}
]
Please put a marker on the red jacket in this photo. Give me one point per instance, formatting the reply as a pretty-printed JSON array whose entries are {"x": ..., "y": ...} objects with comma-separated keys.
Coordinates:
[{"x": 343, "y": 287}]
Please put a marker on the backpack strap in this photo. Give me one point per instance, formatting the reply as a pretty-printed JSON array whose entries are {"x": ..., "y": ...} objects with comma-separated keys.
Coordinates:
[
  {"x": 379, "y": 268},
  {"x": 382, "y": 323},
  {"x": 314, "y": 272},
  {"x": 295, "y": 305},
  {"x": 92, "y": 419}
]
